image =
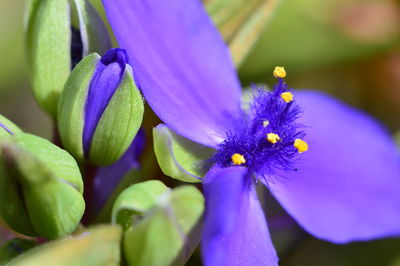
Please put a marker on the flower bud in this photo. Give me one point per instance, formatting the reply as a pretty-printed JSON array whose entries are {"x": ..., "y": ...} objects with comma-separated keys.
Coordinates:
[
  {"x": 40, "y": 187},
  {"x": 148, "y": 208},
  {"x": 55, "y": 41},
  {"x": 100, "y": 109}
]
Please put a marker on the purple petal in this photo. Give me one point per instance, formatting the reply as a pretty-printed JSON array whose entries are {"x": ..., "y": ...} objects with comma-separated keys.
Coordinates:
[
  {"x": 105, "y": 81},
  {"x": 107, "y": 178},
  {"x": 235, "y": 230},
  {"x": 347, "y": 186},
  {"x": 180, "y": 63}
]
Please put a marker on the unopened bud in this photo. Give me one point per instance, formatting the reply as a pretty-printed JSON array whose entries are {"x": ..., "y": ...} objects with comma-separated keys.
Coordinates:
[
  {"x": 54, "y": 41},
  {"x": 101, "y": 109},
  {"x": 40, "y": 187}
]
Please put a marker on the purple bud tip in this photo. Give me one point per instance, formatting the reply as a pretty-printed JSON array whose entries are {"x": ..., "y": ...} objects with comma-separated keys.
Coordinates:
[
  {"x": 115, "y": 55},
  {"x": 6, "y": 129},
  {"x": 105, "y": 81}
]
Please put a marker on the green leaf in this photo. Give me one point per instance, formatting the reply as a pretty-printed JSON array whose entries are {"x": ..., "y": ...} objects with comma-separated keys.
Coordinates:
[
  {"x": 48, "y": 42},
  {"x": 222, "y": 11},
  {"x": 148, "y": 208},
  {"x": 178, "y": 157},
  {"x": 13, "y": 248},
  {"x": 312, "y": 34},
  {"x": 247, "y": 35},
  {"x": 98, "y": 246},
  {"x": 72, "y": 105},
  {"x": 311, "y": 251},
  {"x": 241, "y": 23},
  {"x": 119, "y": 123}
]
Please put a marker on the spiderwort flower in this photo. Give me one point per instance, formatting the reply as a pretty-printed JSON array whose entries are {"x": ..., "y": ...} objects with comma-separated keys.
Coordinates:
[
  {"x": 344, "y": 188},
  {"x": 100, "y": 109}
]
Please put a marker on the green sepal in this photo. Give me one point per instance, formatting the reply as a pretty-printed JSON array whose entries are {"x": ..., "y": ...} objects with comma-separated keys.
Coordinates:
[
  {"x": 12, "y": 206},
  {"x": 93, "y": 32},
  {"x": 57, "y": 160},
  {"x": 179, "y": 157},
  {"x": 119, "y": 123},
  {"x": 48, "y": 44},
  {"x": 148, "y": 208},
  {"x": 72, "y": 105},
  {"x": 10, "y": 126},
  {"x": 134, "y": 201},
  {"x": 40, "y": 188},
  {"x": 15, "y": 247},
  {"x": 98, "y": 246}
]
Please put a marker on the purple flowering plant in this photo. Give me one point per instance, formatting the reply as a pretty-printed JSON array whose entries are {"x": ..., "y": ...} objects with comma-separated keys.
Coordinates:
[
  {"x": 332, "y": 168},
  {"x": 343, "y": 188}
]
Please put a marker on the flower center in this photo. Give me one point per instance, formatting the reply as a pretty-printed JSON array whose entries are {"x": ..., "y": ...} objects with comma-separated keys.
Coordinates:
[{"x": 270, "y": 138}]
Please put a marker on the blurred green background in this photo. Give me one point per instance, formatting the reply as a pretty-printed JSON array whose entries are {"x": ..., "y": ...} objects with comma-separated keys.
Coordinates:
[{"x": 348, "y": 48}]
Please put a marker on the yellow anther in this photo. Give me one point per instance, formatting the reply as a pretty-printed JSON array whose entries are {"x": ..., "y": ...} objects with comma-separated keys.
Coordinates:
[
  {"x": 238, "y": 159},
  {"x": 300, "y": 145},
  {"x": 273, "y": 138},
  {"x": 265, "y": 123},
  {"x": 279, "y": 72},
  {"x": 287, "y": 96}
]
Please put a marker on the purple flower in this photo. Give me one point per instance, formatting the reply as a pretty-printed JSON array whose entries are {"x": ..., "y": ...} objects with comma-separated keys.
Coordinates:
[{"x": 345, "y": 188}]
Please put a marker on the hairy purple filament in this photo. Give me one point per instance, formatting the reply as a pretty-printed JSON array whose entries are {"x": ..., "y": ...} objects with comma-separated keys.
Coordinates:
[{"x": 268, "y": 113}]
